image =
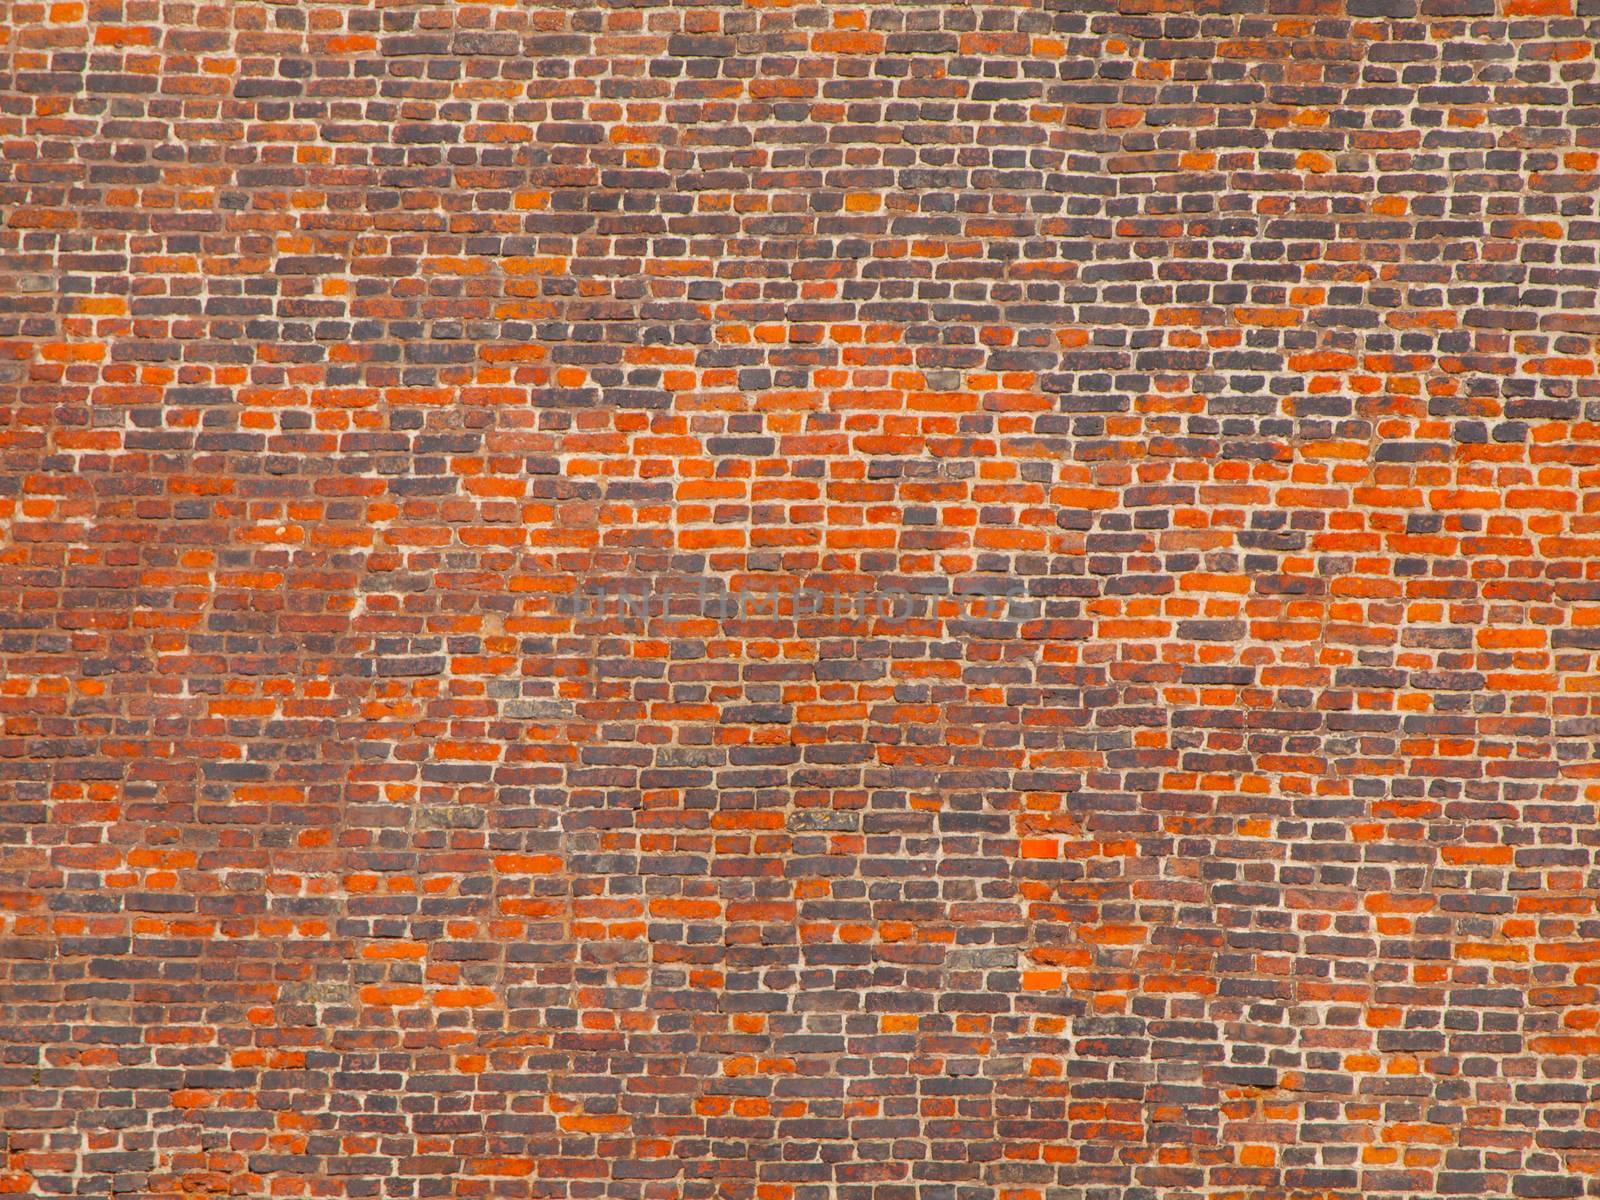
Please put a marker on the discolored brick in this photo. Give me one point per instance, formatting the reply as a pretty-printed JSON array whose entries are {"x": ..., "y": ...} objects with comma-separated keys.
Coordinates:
[{"x": 743, "y": 600}]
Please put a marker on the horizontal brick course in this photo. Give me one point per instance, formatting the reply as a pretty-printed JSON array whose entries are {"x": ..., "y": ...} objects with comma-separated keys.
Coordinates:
[{"x": 780, "y": 600}]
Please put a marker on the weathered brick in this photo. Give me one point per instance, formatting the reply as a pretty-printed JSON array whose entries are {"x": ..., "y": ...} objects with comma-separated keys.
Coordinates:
[{"x": 751, "y": 600}]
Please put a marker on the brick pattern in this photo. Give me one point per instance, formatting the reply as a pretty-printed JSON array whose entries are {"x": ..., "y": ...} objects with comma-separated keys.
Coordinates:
[{"x": 1220, "y": 381}]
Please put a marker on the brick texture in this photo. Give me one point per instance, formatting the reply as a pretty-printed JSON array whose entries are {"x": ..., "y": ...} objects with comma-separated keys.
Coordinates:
[{"x": 655, "y": 599}]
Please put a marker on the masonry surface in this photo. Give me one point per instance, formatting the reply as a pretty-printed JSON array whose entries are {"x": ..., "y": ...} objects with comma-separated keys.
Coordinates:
[{"x": 652, "y": 599}]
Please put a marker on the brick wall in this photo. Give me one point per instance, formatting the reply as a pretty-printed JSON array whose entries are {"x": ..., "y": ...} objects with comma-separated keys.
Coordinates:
[{"x": 786, "y": 601}]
